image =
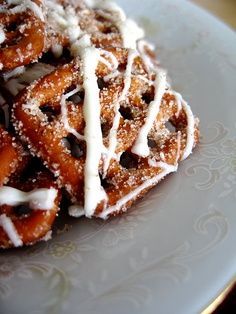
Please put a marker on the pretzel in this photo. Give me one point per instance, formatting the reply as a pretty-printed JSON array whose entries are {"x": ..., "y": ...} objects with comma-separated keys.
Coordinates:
[
  {"x": 12, "y": 156},
  {"x": 27, "y": 217},
  {"x": 23, "y": 224},
  {"x": 22, "y": 33},
  {"x": 104, "y": 22},
  {"x": 134, "y": 105}
]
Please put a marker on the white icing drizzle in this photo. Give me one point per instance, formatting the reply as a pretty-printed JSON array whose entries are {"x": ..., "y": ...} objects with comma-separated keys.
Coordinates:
[
  {"x": 47, "y": 236},
  {"x": 9, "y": 228},
  {"x": 166, "y": 169},
  {"x": 105, "y": 62},
  {"x": 129, "y": 30},
  {"x": 109, "y": 6},
  {"x": 178, "y": 147},
  {"x": 79, "y": 45},
  {"x": 111, "y": 75},
  {"x": 42, "y": 199},
  {"x": 32, "y": 106},
  {"x": 146, "y": 80},
  {"x": 76, "y": 210},
  {"x": 113, "y": 131},
  {"x": 148, "y": 61},
  {"x": 130, "y": 33},
  {"x": 64, "y": 20},
  {"x": 2, "y": 34},
  {"x": 57, "y": 50},
  {"x": 141, "y": 144},
  {"x": 190, "y": 130},
  {"x": 94, "y": 193},
  {"x": 64, "y": 117},
  {"x": 113, "y": 65},
  {"x": 31, "y": 73},
  {"x": 190, "y": 123},
  {"x": 21, "y": 6}
]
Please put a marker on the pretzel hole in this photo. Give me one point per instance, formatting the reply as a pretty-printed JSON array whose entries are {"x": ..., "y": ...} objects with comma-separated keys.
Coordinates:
[
  {"x": 33, "y": 166},
  {"x": 151, "y": 143},
  {"x": 49, "y": 111},
  {"x": 126, "y": 113},
  {"x": 147, "y": 97},
  {"x": 107, "y": 30},
  {"x": 77, "y": 98},
  {"x": 13, "y": 33},
  {"x": 121, "y": 67},
  {"x": 105, "y": 183},
  {"x": 169, "y": 126},
  {"x": 101, "y": 83},
  {"x": 76, "y": 147},
  {"x": 22, "y": 210},
  {"x": 12, "y": 27},
  {"x": 50, "y": 58},
  {"x": 12, "y": 37},
  {"x": 2, "y": 116},
  {"x": 128, "y": 161},
  {"x": 100, "y": 18},
  {"x": 105, "y": 129}
]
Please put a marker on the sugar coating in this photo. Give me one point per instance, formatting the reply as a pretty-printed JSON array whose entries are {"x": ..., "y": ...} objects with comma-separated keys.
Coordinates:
[{"x": 111, "y": 104}]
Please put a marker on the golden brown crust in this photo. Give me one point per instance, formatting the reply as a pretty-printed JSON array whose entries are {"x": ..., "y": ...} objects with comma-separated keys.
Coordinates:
[
  {"x": 25, "y": 43},
  {"x": 46, "y": 137},
  {"x": 53, "y": 124},
  {"x": 34, "y": 225},
  {"x": 12, "y": 156}
]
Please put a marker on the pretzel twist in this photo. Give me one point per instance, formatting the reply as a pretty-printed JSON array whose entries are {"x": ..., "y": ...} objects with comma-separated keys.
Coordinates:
[
  {"x": 27, "y": 225},
  {"x": 52, "y": 138},
  {"x": 23, "y": 33}
]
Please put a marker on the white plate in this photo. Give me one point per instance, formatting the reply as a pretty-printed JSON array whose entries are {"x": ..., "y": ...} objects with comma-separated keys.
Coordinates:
[{"x": 176, "y": 250}]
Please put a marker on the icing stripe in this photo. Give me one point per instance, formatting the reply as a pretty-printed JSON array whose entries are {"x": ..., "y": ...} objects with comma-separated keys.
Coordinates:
[
  {"x": 141, "y": 144},
  {"x": 65, "y": 21},
  {"x": 114, "y": 62},
  {"x": 129, "y": 30},
  {"x": 133, "y": 194},
  {"x": 64, "y": 117},
  {"x": 76, "y": 210},
  {"x": 148, "y": 61},
  {"x": 178, "y": 147},
  {"x": 2, "y": 35},
  {"x": 42, "y": 199},
  {"x": 190, "y": 130},
  {"x": 9, "y": 228},
  {"x": 130, "y": 33},
  {"x": 190, "y": 123},
  {"x": 94, "y": 193},
  {"x": 22, "y": 6}
]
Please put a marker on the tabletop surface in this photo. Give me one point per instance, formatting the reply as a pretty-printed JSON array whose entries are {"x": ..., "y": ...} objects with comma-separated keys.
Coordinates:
[{"x": 224, "y": 9}]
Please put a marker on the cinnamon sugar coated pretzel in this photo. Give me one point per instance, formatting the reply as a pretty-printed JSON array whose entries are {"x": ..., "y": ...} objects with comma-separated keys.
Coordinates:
[
  {"x": 92, "y": 105},
  {"x": 22, "y": 32}
]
